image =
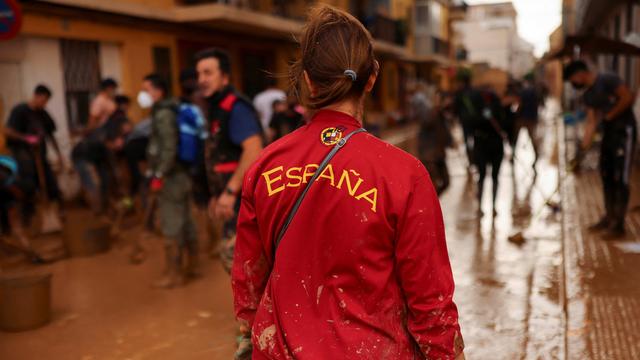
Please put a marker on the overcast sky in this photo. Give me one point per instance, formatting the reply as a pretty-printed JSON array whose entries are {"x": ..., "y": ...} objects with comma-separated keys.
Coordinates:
[{"x": 536, "y": 20}]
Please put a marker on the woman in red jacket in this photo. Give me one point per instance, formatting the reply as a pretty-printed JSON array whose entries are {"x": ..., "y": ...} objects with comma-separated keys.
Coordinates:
[{"x": 362, "y": 270}]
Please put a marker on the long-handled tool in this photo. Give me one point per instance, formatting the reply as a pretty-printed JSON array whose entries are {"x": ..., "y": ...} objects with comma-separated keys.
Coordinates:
[
  {"x": 24, "y": 248},
  {"x": 50, "y": 221}
]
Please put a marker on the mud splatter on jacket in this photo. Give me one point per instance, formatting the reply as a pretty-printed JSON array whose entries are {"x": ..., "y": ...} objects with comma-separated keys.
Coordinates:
[{"x": 363, "y": 271}]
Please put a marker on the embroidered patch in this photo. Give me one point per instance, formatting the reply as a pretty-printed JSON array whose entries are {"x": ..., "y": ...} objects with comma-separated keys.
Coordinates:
[{"x": 331, "y": 136}]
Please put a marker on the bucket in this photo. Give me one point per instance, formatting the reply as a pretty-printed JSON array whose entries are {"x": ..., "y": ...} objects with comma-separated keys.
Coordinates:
[
  {"x": 25, "y": 301},
  {"x": 85, "y": 236}
]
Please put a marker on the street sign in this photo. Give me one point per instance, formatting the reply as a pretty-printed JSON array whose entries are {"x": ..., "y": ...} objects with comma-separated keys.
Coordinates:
[{"x": 10, "y": 19}]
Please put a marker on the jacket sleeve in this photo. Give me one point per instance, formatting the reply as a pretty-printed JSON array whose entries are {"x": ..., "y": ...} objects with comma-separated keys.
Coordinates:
[
  {"x": 425, "y": 275},
  {"x": 251, "y": 265},
  {"x": 167, "y": 141}
]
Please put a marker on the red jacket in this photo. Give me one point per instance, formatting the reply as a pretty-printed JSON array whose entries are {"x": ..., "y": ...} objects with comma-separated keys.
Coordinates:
[{"x": 363, "y": 271}]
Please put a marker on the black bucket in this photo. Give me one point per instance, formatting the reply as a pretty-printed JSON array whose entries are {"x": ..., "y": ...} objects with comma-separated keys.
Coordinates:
[{"x": 25, "y": 301}]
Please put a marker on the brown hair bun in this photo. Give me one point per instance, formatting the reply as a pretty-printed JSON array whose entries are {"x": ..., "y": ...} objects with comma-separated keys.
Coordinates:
[{"x": 337, "y": 54}]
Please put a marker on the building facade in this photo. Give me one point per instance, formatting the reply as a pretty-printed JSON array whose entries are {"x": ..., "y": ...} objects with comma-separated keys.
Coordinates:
[
  {"x": 490, "y": 35},
  {"x": 69, "y": 45},
  {"x": 613, "y": 19}
]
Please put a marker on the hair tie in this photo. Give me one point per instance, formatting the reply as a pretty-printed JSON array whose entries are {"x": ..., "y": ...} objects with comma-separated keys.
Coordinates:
[{"x": 352, "y": 74}]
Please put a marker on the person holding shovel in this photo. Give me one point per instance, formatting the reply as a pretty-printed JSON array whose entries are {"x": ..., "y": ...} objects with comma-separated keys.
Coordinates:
[{"x": 27, "y": 131}]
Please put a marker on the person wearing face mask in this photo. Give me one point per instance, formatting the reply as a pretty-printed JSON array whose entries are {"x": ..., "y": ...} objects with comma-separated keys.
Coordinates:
[
  {"x": 170, "y": 179},
  {"x": 609, "y": 102}
]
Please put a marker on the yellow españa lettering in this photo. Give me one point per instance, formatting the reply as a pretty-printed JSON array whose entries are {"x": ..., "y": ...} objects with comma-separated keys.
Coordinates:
[
  {"x": 308, "y": 175},
  {"x": 270, "y": 181},
  {"x": 345, "y": 176},
  {"x": 329, "y": 176},
  {"x": 290, "y": 176},
  {"x": 278, "y": 179}
]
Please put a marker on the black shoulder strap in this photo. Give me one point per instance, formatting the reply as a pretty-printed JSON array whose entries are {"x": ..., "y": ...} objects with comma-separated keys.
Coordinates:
[{"x": 321, "y": 168}]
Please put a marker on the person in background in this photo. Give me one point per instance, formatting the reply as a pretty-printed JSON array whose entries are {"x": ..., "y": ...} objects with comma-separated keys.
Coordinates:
[
  {"x": 285, "y": 119},
  {"x": 234, "y": 143},
  {"x": 119, "y": 121},
  {"x": 193, "y": 133},
  {"x": 609, "y": 102},
  {"x": 8, "y": 189},
  {"x": 135, "y": 150},
  {"x": 170, "y": 179},
  {"x": 28, "y": 130},
  {"x": 530, "y": 102},
  {"x": 263, "y": 103},
  {"x": 191, "y": 97},
  {"x": 97, "y": 151},
  {"x": 488, "y": 142},
  {"x": 103, "y": 105},
  {"x": 510, "y": 105},
  {"x": 433, "y": 139},
  {"x": 464, "y": 107}
]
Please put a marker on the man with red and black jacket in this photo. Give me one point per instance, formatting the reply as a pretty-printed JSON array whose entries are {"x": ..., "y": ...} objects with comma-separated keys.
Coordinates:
[{"x": 235, "y": 141}]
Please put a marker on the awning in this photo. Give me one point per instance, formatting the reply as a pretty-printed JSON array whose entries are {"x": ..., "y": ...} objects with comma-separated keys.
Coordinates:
[{"x": 592, "y": 44}]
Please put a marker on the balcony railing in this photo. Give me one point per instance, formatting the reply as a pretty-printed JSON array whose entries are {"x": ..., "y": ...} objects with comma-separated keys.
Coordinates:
[
  {"x": 387, "y": 29},
  {"x": 242, "y": 4},
  {"x": 440, "y": 46}
]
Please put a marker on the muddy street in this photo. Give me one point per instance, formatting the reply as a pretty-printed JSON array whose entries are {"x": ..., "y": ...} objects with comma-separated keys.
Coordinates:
[{"x": 507, "y": 291}]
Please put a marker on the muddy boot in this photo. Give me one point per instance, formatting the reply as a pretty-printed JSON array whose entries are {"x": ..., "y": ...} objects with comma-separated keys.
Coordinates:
[
  {"x": 172, "y": 275},
  {"x": 245, "y": 348},
  {"x": 193, "y": 266}
]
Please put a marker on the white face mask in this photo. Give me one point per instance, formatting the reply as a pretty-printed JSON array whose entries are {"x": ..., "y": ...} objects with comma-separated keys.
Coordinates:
[{"x": 145, "y": 100}]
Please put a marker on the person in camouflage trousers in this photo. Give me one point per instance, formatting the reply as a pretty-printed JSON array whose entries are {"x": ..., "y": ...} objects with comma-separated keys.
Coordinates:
[{"x": 170, "y": 182}]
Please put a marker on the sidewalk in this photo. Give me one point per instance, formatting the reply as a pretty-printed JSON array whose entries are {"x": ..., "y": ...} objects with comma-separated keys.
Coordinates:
[{"x": 602, "y": 278}]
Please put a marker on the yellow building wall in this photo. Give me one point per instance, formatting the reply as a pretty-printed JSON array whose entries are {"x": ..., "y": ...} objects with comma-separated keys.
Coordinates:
[
  {"x": 390, "y": 85},
  {"x": 135, "y": 46},
  {"x": 401, "y": 9}
]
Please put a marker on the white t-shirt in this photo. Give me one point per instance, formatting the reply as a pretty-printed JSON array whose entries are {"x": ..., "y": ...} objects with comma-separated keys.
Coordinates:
[{"x": 263, "y": 102}]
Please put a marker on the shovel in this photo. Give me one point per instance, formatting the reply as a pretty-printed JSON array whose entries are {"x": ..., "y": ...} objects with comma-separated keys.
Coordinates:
[{"x": 50, "y": 221}]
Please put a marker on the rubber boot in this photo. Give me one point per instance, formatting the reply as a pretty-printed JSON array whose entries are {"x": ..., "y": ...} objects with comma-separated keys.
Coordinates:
[
  {"x": 193, "y": 265},
  {"x": 172, "y": 276}
]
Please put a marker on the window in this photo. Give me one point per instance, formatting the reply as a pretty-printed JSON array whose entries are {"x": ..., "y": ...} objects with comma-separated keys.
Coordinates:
[
  {"x": 254, "y": 73},
  {"x": 629, "y": 19},
  {"x": 81, "y": 66}
]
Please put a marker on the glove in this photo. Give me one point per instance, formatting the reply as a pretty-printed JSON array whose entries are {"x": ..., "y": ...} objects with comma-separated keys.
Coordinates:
[
  {"x": 31, "y": 139},
  {"x": 126, "y": 203},
  {"x": 156, "y": 184},
  {"x": 574, "y": 164}
]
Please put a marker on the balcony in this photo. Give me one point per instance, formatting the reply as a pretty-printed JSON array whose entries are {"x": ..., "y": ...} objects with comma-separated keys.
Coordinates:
[
  {"x": 591, "y": 13},
  {"x": 253, "y": 5},
  {"x": 281, "y": 8},
  {"x": 386, "y": 29},
  {"x": 440, "y": 47}
]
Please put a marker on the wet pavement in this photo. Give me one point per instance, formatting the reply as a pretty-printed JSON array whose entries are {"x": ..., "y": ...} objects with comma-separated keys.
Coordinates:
[
  {"x": 603, "y": 292},
  {"x": 509, "y": 294}
]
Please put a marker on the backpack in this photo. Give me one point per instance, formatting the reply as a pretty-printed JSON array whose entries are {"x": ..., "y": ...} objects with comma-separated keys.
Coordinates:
[{"x": 191, "y": 133}]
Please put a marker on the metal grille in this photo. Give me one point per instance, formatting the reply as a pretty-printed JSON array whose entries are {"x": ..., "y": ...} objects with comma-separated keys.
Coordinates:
[{"x": 81, "y": 65}]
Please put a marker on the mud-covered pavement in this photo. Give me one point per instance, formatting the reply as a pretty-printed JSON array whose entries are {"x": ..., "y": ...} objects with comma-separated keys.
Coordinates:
[{"x": 508, "y": 293}]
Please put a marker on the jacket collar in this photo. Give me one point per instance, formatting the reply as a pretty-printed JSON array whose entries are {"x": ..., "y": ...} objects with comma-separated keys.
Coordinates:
[{"x": 333, "y": 117}]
